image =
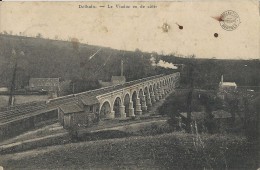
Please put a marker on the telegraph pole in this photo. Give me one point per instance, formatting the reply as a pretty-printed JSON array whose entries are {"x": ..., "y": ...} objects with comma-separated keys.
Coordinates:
[
  {"x": 73, "y": 88},
  {"x": 122, "y": 67},
  {"x": 189, "y": 101},
  {"x": 12, "y": 87}
]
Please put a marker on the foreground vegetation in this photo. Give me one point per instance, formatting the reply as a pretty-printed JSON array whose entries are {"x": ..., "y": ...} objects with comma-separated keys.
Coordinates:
[
  {"x": 167, "y": 151},
  {"x": 245, "y": 112}
]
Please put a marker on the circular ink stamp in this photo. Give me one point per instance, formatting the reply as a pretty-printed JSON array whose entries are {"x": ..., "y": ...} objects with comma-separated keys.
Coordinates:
[{"x": 229, "y": 20}]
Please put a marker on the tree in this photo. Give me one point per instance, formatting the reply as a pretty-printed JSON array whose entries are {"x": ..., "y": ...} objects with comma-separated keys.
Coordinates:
[{"x": 252, "y": 118}]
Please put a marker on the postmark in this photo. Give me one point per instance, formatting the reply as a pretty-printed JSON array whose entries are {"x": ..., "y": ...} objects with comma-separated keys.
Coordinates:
[{"x": 229, "y": 20}]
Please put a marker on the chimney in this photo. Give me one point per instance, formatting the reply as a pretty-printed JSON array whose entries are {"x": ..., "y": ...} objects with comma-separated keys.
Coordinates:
[
  {"x": 122, "y": 67},
  {"x": 222, "y": 77}
]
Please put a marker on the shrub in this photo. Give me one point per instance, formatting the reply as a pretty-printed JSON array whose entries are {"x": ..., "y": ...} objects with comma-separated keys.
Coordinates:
[{"x": 155, "y": 129}]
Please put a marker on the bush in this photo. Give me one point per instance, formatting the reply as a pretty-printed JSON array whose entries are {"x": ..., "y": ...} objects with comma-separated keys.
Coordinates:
[{"x": 155, "y": 129}]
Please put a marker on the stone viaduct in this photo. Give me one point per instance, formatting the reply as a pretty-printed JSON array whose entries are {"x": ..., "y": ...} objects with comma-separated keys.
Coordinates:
[
  {"x": 135, "y": 98},
  {"x": 120, "y": 101}
]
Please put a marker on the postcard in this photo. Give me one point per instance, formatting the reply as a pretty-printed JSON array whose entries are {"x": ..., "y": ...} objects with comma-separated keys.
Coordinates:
[{"x": 129, "y": 84}]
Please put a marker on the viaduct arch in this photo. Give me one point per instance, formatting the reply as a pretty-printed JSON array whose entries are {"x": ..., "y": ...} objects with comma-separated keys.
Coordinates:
[{"x": 137, "y": 98}]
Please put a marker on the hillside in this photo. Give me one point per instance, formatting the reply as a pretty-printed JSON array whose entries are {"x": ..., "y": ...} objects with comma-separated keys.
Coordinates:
[
  {"x": 85, "y": 64},
  {"x": 167, "y": 151},
  {"x": 68, "y": 60}
]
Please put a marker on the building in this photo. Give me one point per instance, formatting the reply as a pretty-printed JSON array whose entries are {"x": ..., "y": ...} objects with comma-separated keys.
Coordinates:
[
  {"x": 226, "y": 87},
  {"x": 197, "y": 119},
  {"x": 46, "y": 84},
  {"x": 221, "y": 119},
  {"x": 221, "y": 114},
  {"x": 3, "y": 89},
  {"x": 195, "y": 116},
  {"x": 115, "y": 80},
  {"x": 82, "y": 112},
  {"x": 118, "y": 80},
  {"x": 50, "y": 85}
]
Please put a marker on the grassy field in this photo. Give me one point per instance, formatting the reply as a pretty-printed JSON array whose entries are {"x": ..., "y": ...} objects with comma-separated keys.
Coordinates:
[
  {"x": 36, "y": 133},
  {"x": 167, "y": 151}
]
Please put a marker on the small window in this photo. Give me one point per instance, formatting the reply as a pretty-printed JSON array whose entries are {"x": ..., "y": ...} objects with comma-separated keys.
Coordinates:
[{"x": 91, "y": 108}]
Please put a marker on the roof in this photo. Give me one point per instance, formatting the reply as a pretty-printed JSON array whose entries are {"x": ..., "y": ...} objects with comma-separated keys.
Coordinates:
[
  {"x": 228, "y": 84},
  {"x": 221, "y": 114},
  {"x": 118, "y": 78},
  {"x": 194, "y": 115},
  {"x": 71, "y": 108},
  {"x": 89, "y": 100},
  {"x": 105, "y": 83},
  {"x": 3, "y": 89},
  {"x": 44, "y": 81}
]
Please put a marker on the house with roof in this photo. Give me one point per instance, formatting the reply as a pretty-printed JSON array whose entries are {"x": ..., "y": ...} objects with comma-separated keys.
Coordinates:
[
  {"x": 46, "y": 84},
  {"x": 226, "y": 87},
  {"x": 49, "y": 85},
  {"x": 221, "y": 119},
  {"x": 83, "y": 111},
  {"x": 195, "y": 116},
  {"x": 197, "y": 119},
  {"x": 118, "y": 80},
  {"x": 115, "y": 80}
]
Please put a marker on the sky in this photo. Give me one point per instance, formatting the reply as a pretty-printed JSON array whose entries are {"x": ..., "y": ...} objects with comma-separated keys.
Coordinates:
[{"x": 150, "y": 30}]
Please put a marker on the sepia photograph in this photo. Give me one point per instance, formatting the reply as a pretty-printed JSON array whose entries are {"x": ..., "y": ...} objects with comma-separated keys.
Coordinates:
[{"x": 130, "y": 85}]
